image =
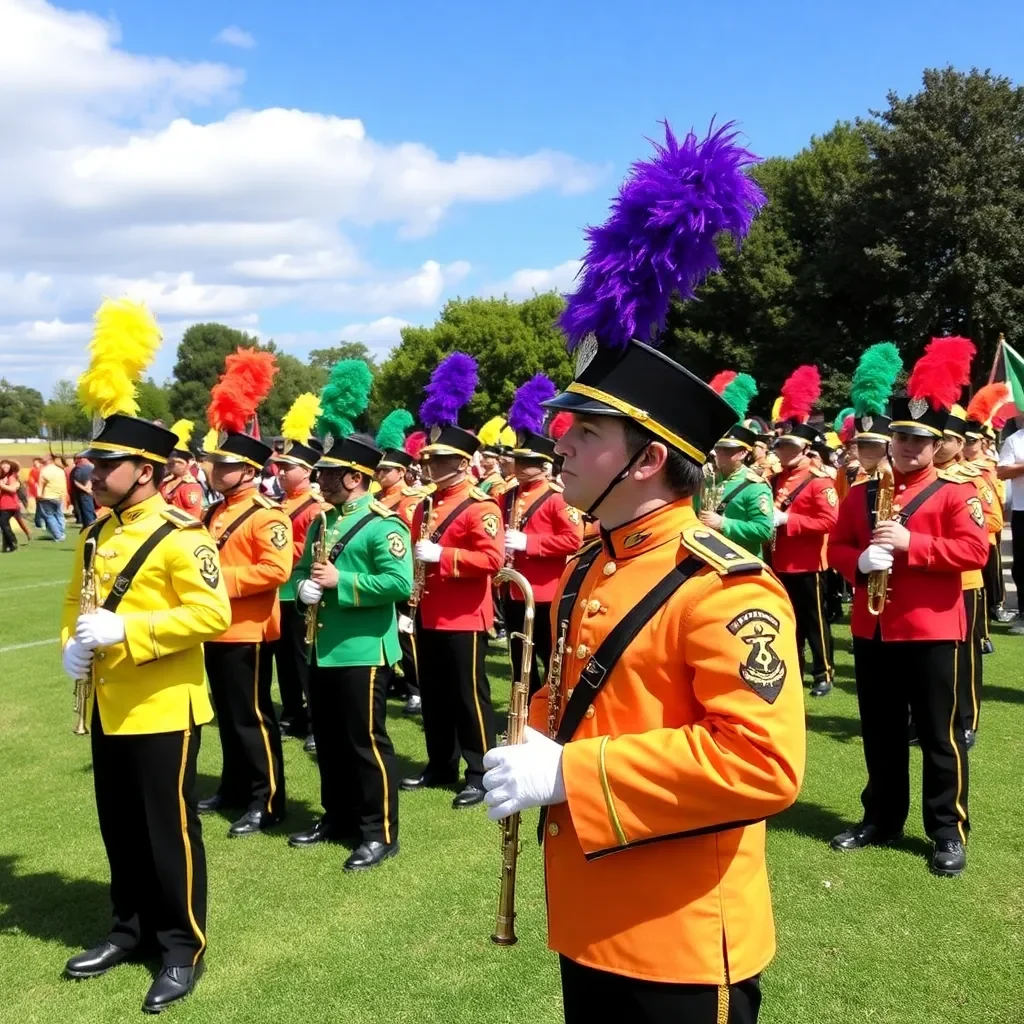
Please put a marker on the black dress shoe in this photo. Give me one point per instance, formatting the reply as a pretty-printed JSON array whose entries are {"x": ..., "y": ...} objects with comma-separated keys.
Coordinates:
[
  {"x": 210, "y": 804},
  {"x": 413, "y": 706},
  {"x": 970, "y": 738},
  {"x": 309, "y": 746},
  {"x": 862, "y": 835},
  {"x": 369, "y": 855},
  {"x": 96, "y": 961},
  {"x": 428, "y": 779},
  {"x": 821, "y": 689},
  {"x": 170, "y": 986},
  {"x": 987, "y": 647},
  {"x": 321, "y": 832},
  {"x": 252, "y": 822},
  {"x": 470, "y": 796},
  {"x": 949, "y": 858}
]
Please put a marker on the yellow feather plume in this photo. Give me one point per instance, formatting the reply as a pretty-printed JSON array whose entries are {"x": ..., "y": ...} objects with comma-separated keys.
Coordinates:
[
  {"x": 124, "y": 341},
  {"x": 183, "y": 429},
  {"x": 490, "y": 432},
  {"x": 210, "y": 440},
  {"x": 776, "y": 409},
  {"x": 297, "y": 424},
  {"x": 507, "y": 437}
]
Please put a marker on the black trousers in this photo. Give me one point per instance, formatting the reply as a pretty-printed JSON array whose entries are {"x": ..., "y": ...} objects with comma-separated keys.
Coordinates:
[
  {"x": 498, "y": 599},
  {"x": 515, "y": 614},
  {"x": 10, "y": 542},
  {"x": 292, "y": 668},
  {"x": 995, "y": 586},
  {"x": 408, "y": 684},
  {"x": 590, "y": 995},
  {"x": 969, "y": 660},
  {"x": 807, "y": 592},
  {"x": 1017, "y": 568},
  {"x": 252, "y": 774},
  {"x": 457, "y": 711},
  {"x": 920, "y": 674},
  {"x": 358, "y": 777},
  {"x": 146, "y": 801}
]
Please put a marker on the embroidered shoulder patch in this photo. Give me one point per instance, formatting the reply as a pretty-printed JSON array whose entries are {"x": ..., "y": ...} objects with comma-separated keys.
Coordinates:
[
  {"x": 763, "y": 670},
  {"x": 977, "y": 512},
  {"x": 490, "y": 521},
  {"x": 208, "y": 565},
  {"x": 278, "y": 535},
  {"x": 396, "y": 545},
  {"x": 831, "y": 496}
]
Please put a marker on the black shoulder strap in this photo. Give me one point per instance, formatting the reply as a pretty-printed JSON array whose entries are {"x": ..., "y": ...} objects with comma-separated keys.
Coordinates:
[
  {"x": 335, "y": 553},
  {"x": 790, "y": 498},
  {"x": 730, "y": 498},
  {"x": 575, "y": 581},
  {"x": 438, "y": 533},
  {"x": 871, "y": 496},
  {"x": 250, "y": 511},
  {"x": 210, "y": 513},
  {"x": 93, "y": 532},
  {"x": 918, "y": 500},
  {"x": 125, "y": 577},
  {"x": 535, "y": 507},
  {"x": 302, "y": 508}
]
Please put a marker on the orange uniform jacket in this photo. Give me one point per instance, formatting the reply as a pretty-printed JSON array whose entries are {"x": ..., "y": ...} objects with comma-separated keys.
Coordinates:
[
  {"x": 457, "y": 590},
  {"x": 655, "y": 865},
  {"x": 800, "y": 543},
  {"x": 947, "y": 538},
  {"x": 553, "y": 532},
  {"x": 974, "y": 579},
  {"x": 185, "y": 493},
  {"x": 401, "y": 499},
  {"x": 255, "y": 561}
]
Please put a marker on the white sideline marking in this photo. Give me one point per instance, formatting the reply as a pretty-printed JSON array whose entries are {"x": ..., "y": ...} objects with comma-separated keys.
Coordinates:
[
  {"x": 31, "y": 586},
  {"x": 34, "y": 643}
]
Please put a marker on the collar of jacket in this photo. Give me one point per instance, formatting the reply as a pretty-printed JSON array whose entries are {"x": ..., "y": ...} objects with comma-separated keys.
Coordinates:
[
  {"x": 662, "y": 526},
  {"x": 356, "y": 504},
  {"x": 148, "y": 507},
  {"x": 919, "y": 476}
]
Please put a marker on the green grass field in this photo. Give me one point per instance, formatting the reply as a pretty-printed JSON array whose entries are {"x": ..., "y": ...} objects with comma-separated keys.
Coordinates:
[{"x": 870, "y": 937}]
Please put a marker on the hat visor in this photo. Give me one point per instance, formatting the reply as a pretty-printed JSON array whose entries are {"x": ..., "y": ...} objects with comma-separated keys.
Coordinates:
[
  {"x": 916, "y": 430},
  {"x": 528, "y": 455},
  {"x": 581, "y": 404},
  {"x": 801, "y": 442},
  {"x": 289, "y": 460},
  {"x": 226, "y": 459},
  {"x": 95, "y": 454},
  {"x": 731, "y": 442}
]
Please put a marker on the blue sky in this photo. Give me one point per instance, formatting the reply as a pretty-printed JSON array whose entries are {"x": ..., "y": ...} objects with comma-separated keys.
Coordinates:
[{"x": 508, "y": 83}]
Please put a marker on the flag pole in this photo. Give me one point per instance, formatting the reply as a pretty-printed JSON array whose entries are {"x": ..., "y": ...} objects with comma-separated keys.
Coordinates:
[{"x": 996, "y": 357}]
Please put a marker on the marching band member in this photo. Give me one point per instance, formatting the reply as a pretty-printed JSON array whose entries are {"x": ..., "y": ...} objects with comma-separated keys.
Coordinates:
[
  {"x": 254, "y": 538},
  {"x": 907, "y": 655},
  {"x": 159, "y": 595},
  {"x": 460, "y": 543},
  {"x": 679, "y": 725},
  {"x": 495, "y": 436},
  {"x": 180, "y": 488},
  {"x": 805, "y": 511}
]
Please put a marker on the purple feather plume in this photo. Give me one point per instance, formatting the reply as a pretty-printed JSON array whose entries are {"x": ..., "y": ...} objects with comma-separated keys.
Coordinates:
[
  {"x": 527, "y": 413},
  {"x": 451, "y": 386},
  {"x": 660, "y": 237}
]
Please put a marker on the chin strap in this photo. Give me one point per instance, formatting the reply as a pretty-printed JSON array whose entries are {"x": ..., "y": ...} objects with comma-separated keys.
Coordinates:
[
  {"x": 616, "y": 480},
  {"x": 116, "y": 509}
]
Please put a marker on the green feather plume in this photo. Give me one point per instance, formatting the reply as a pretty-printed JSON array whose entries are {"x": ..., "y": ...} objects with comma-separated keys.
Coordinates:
[
  {"x": 739, "y": 393},
  {"x": 837, "y": 423},
  {"x": 391, "y": 433},
  {"x": 874, "y": 379},
  {"x": 344, "y": 398}
]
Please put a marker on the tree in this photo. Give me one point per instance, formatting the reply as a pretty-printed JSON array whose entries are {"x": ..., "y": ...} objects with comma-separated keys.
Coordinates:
[
  {"x": 21, "y": 410},
  {"x": 511, "y": 342},
  {"x": 322, "y": 359},
  {"x": 154, "y": 401},
  {"x": 293, "y": 378},
  {"x": 64, "y": 415}
]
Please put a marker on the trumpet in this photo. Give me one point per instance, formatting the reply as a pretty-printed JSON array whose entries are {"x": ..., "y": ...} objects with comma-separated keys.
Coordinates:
[
  {"x": 319, "y": 554},
  {"x": 419, "y": 568},
  {"x": 555, "y": 679},
  {"x": 86, "y": 605},
  {"x": 878, "y": 581},
  {"x": 518, "y": 714}
]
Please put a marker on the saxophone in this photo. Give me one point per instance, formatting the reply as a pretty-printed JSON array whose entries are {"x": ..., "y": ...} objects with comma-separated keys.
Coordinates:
[
  {"x": 710, "y": 490},
  {"x": 86, "y": 605},
  {"x": 518, "y": 714},
  {"x": 319, "y": 554},
  {"x": 878, "y": 581},
  {"x": 515, "y": 520},
  {"x": 419, "y": 568},
  {"x": 555, "y": 680}
]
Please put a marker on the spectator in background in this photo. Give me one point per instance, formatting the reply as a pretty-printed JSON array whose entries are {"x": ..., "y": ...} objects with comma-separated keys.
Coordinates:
[
  {"x": 81, "y": 492},
  {"x": 33, "y": 489},
  {"x": 53, "y": 493},
  {"x": 65, "y": 464},
  {"x": 1011, "y": 467},
  {"x": 10, "y": 484}
]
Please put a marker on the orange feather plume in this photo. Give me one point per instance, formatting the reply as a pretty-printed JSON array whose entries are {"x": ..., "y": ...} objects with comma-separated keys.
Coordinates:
[
  {"x": 987, "y": 400},
  {"x": 247, "y": 379}
]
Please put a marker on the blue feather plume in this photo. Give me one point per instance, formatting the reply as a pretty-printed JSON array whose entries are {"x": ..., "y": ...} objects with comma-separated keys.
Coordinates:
[
  {"x": 527, "y": 413},
  {"x": 660, "y": 237},
  {"x": 451, "y": 387}
]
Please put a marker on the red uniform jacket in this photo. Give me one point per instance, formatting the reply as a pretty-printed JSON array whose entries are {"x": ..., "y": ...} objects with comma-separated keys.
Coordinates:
[
  {"x": 457, "y": 590},
  {"x": 301, "y": 520},
  {"x": 185, "y": 493},
  {"x": 401, "y": 499},
  {"x": 800, "y": 543},
  {"x": 553, "y": 532},
  {"x": 947, "y": 537}
]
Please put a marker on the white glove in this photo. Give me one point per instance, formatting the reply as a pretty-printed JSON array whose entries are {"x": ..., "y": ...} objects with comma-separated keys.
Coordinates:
[
  {"x": 405, "y": 624},
  {"x": 515, "y": 540},
  {"x": 526, "y": 775},
  {"x": 427, "y": 551},
  {"x": 77, "y": 660},
  {"x": 781, "y": 518},
  {"x": 99, "y": 629},
  {"x": 875, "y": 557},
  {"x": 309, "y": 592}
]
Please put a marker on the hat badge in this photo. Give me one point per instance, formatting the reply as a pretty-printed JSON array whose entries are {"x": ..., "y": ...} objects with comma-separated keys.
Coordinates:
[
  {"x": 585, "y": 352},
  {"x": 918, "y": 407},
  {"x": 328, "y": 442},
  {"x": 867, "y": 422},
  {"x": 222, "y": 436},
  {"x": 435, "y": 433},
  {"x": 287, "y": 446}
]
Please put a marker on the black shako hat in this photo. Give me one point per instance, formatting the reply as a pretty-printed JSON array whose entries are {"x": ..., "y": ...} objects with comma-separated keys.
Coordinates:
[
  {"x": 800, "y": 433},
  {"x": 240, "y": 448},
  {"x": 395, "y": 458},
  {"x": 956, "y": 422},
  {"x": 351, "y": 453},
  {"x": 531, "y": 445},
  {"x": 126, "y": 437},
  {"x": 642, "y": 384},
  {"x": 297, "y": 454},
  {"x": 738, "y": 436},
  {"x": 917, "y": 416},
  {"x": 872, "y": 427},
  {"x": 451, "y": 441}
]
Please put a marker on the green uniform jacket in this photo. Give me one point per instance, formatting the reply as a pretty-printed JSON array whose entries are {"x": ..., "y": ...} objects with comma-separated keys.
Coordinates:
[
  {"x": 748, "y": 517},
  {"x": 356, "y": 623}
]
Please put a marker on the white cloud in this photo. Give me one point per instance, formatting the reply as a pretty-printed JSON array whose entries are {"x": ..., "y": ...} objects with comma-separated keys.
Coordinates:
[
  {"x": 235, "y": 36},
  {"x": 379, "y": 336},
  {"x": 524, "y": 283}
]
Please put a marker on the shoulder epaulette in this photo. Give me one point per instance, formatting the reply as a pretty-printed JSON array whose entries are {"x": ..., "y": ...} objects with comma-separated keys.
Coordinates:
[
  {"x": 381, "y": 510},
  {"x": 180, "y": 519},
  {"x": 725, "y": 557},
  {"x": 584, "y": 548},
  {"x": 264, "y": 501},
  {"x": 754, "y": 478},
  {"x": 477, "y": 495},
  {"x": 860, "y": 481},
  {"x": 188, "y": 478},
  {"x": 413, "y": 492},
  {"x": 819, "y": 473},
  {"x": 968, "y": 469},
  {"x": 951, "y": 477}
]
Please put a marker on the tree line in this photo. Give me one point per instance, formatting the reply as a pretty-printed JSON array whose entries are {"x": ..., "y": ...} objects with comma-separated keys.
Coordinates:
[{"x": 900, "y": 225}]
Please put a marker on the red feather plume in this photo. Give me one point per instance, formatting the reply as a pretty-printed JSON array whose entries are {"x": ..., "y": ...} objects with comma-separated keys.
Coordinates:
[
  {"x": 247, "y": 379},
  {"x": 987, "y": 400},
  {"x": 415, "y": 443},
  {"x": 799, "y": 393},
  {"x": 559, "y": 424},
  {"x": 720, "y": 380},
  {"x": 1002, "y": 414},
  {"x": 941, "y": 373},
  {"x": 848, "y": 430}
]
